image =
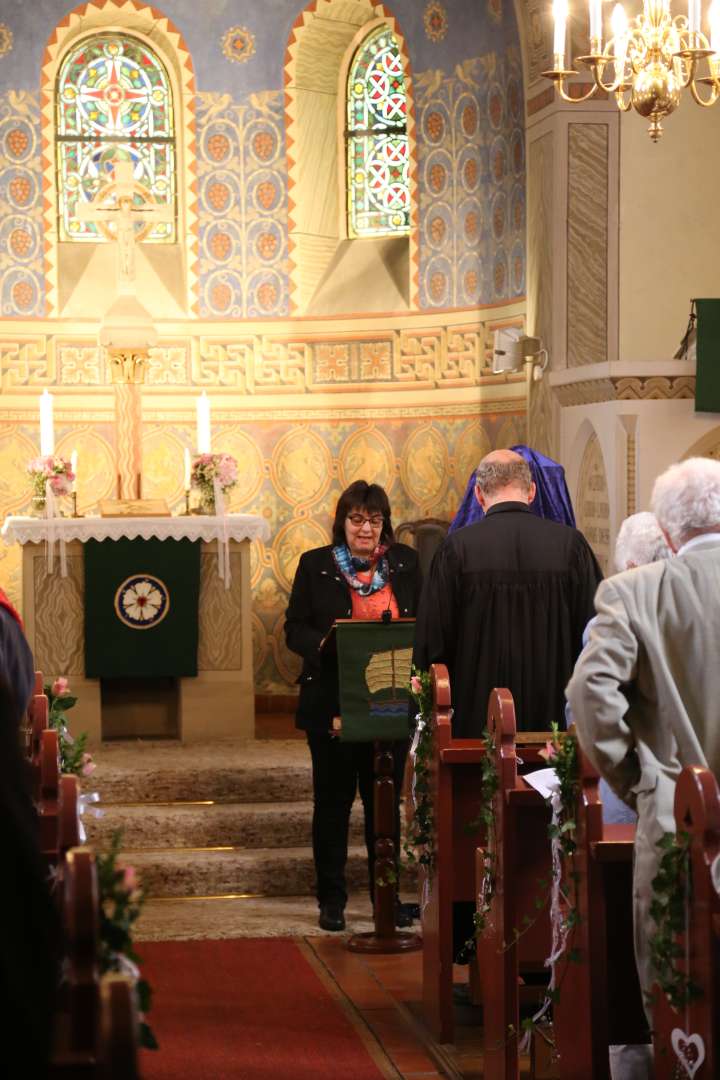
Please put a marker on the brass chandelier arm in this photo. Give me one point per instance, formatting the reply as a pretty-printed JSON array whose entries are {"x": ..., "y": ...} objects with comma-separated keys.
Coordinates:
[{"x": 714, "y": 91}]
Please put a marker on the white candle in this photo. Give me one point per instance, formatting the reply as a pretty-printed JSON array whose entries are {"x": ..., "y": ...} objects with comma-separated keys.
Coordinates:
[
  {"x": 694, "y": 8},
  {"x": 714, "y": 17},
  {"x": 619, "y": 25},
  {"x": 203, "y": 424},
  {"x": 560, "y": 10},
  {"x": 73, "y": 468},
  {"x": 47, "y": 433},
  {"x": 187, "y": 469},
  {"x": 596, "y": 23}
]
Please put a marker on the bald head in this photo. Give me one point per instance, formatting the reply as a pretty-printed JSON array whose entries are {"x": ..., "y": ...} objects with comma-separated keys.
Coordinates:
[{"x": 503, "y": 476}]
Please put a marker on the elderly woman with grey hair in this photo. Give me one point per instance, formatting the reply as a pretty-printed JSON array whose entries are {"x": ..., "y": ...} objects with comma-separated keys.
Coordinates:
[{"x": 640, "y": 541}]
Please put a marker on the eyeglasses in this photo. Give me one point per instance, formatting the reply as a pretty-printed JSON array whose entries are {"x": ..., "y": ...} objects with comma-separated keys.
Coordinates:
[{"x": 376, "y": 521}]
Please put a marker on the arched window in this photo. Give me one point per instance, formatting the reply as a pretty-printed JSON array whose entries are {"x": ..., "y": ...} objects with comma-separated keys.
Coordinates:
[
  {"x": 113, "y": 100},
  {"x": 377, "y": 142}
]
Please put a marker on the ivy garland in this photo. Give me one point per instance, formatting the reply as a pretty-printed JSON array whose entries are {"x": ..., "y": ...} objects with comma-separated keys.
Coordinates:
[
  {"x": 419, "y": 844},
  {"x": 671, "y": 895},
  {"x": 485, "y": 819},
  {"x": 121, "y": 901}
]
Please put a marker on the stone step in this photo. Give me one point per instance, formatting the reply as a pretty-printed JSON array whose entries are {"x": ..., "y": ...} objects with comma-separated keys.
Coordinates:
[
  {"x": 207, "y": 872},
  {"x": 200, "y": 825},
  {"x": 247, "y": 771}
]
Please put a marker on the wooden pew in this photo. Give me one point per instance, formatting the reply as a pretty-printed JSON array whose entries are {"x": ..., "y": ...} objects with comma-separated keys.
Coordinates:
[
  {"x": 455, "y": 780},
  {"x": 97, "y": 1030},
  {"x": 601, "y": 981},
  {"x": 48, "y": 801},
  {"x": 521, "y": 861},
  {"x": 38, "y": 722},
  {"x": 676, "y": 1032}
]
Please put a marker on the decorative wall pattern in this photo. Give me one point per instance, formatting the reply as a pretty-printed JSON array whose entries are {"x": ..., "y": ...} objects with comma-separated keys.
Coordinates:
[
  {"x": 587, "y": 240},
  {"x": 592, "y": 502},
  {"x": 22, "y": 285},
  {"x": 242, "y": 206},
  {"x": 419, "y": 353},
  {"x": 471, "y": 183}
]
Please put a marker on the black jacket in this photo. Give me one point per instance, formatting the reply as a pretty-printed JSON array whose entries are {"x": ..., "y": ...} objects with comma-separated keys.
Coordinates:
[
  {"x": 319, "y": 596},
  {"x": 505, "y": 604}
]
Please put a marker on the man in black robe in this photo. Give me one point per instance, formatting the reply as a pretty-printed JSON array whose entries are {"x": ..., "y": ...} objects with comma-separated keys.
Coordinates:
[{"x": 506, "y": 602}]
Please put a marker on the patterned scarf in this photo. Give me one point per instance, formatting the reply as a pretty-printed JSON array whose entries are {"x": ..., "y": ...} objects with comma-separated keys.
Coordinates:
[{"x": 349, "y": 565}]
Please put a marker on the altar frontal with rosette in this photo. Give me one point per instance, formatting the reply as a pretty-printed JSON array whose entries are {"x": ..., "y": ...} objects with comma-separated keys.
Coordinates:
[{"x": 141, "y": 608}]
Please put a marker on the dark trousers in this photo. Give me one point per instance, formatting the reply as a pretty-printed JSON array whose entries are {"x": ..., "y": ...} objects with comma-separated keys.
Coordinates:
[{"x": 339, "y": 769}]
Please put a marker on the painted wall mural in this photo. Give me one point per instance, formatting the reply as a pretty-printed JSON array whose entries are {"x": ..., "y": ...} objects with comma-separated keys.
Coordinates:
[
  {"x": 471, "y": 159},
  {"x": 470, "y": 155},
  {"x": 242, "y": 184},
  {"x": 22, "y": 289},
  {"x": 364, "y": 395}
]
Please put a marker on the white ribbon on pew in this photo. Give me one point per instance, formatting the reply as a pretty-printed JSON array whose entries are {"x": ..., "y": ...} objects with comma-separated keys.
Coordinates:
[
  {"x": 558, "y": 925},
  {"x": 85, "y": 805},
  {"x": 224, "y": 540},
  {"x": 420, "y": 726}
]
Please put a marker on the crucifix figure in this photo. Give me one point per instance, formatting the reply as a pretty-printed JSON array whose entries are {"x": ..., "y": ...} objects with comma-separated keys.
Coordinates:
[
  {"x": 122, "y": 219},
  {"x": 126, "y": 212}
]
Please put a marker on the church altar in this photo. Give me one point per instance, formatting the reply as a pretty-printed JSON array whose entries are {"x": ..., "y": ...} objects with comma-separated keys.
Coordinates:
[{"x": 218, "y": 702}]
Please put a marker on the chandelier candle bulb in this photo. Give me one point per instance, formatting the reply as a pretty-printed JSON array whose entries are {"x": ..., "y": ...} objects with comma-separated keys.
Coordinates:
[
  {"x": 694, "y": 7},
  {"x": 619, "y": 25},
  {"x": 203, "y": 424},
  {"x": 596, "y": 26},
  {"x": 714, "y": 18},
  {"x": 47, "y": 431},
  {"x": 560, "y": 16}
]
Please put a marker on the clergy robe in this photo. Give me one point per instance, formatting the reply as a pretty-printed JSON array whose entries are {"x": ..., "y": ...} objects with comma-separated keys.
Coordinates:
[{"x": 505, "y": 605}]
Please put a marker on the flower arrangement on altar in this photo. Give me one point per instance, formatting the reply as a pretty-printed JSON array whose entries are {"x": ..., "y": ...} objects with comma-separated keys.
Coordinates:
[
  {"x": 53, "y": 469},
  {"x": 208, "y": 468}
]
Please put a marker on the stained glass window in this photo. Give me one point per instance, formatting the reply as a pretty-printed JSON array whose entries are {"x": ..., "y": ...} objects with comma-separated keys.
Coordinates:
[
  {"x": 377, "y": 142},
  {"x": 113, "y": 100}
]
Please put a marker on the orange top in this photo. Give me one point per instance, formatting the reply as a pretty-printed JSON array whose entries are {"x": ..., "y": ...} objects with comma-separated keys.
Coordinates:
[{"x": 372, "y": 606}]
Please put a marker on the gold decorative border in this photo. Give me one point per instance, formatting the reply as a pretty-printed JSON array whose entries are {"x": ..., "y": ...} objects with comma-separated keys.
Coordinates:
[{"x": 626, "y": 388}]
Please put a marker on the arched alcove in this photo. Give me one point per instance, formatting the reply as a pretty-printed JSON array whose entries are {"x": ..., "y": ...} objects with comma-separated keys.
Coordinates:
[
  {"x": 323, "y": 259},
  {"x": 81, "y": 277}
]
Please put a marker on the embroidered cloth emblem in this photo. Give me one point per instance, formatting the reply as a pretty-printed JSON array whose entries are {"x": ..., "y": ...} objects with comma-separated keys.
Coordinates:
[{"x": 142, "y": 601}]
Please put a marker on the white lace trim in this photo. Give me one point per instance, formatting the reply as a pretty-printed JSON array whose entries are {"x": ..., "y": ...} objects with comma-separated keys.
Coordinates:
[{"x": 29, "y": 530}]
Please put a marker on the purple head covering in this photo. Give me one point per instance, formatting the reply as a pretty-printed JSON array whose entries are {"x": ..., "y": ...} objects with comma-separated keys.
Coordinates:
[{"x": 552, "y": 499}]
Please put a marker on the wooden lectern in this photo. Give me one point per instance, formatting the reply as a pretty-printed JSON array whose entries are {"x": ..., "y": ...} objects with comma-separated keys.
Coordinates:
[{"x": 374, "y": 662}]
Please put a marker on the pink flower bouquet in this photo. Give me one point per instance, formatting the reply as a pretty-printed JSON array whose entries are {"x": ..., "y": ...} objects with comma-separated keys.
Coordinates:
[
  {"x": 207, "y": 467},
  {"x": 54, "y": 469}
]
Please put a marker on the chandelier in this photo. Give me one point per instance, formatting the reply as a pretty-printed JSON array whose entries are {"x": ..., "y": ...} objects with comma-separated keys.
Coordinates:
[{"x": 648, "y": 61}]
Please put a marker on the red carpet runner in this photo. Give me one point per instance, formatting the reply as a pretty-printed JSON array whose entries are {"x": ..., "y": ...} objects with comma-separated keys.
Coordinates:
[{"x": 246, "y": 1009}]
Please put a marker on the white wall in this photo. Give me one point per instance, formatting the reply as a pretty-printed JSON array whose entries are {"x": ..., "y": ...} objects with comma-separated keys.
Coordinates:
[{"x": 669, "y": 226}]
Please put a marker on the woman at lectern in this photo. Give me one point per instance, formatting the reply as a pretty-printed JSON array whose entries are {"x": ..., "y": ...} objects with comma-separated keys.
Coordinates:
[{"x": 362, "y": 574}]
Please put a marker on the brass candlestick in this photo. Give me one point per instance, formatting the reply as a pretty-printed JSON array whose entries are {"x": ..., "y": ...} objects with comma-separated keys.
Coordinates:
[
  {"x": 73, "y": 495},
  {"x": 187, "y": 511}
]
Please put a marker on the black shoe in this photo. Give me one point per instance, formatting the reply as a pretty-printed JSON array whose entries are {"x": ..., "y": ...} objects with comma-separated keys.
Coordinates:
[
  {"x": 404, "y": 915},
  {"x": 331, "y": 917}
]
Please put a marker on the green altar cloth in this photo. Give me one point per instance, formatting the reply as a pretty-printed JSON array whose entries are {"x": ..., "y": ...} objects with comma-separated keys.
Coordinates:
[{"x": 141, "y": 608}]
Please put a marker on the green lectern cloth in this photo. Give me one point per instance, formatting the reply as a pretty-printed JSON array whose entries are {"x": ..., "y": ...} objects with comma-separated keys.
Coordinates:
[
  {"x": 374, "y": 660},
  {"x": 707, "y": 382},
  {"x": 141, "y": 607}
]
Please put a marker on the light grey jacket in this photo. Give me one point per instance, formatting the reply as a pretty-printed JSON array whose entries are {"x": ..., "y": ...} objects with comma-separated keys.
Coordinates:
[{"x": 645, "y": 695}]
